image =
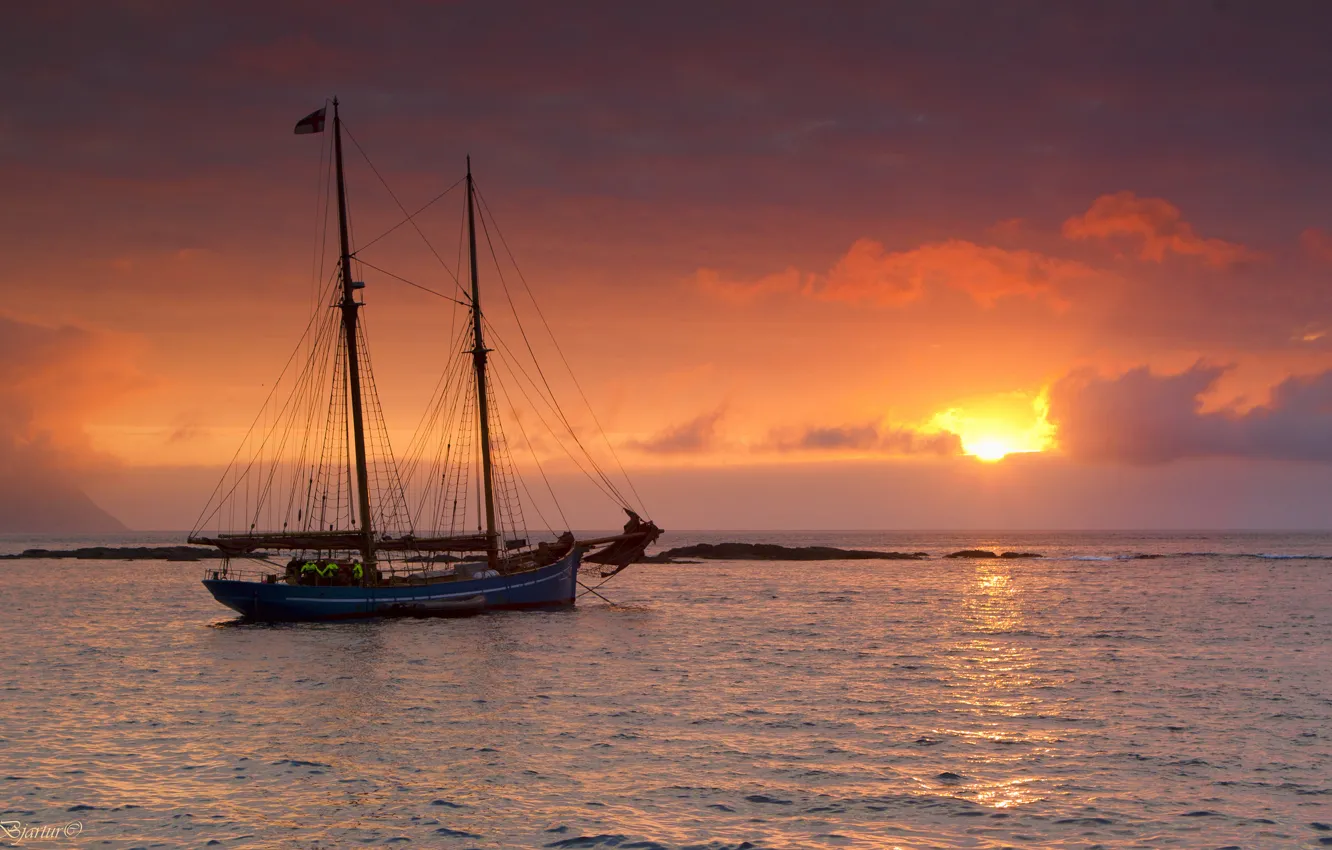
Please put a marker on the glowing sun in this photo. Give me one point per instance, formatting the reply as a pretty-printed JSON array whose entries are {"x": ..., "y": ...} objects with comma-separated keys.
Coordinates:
[
  {"x": 994, "y": 428},
  {"x": 991, "y": 448}
]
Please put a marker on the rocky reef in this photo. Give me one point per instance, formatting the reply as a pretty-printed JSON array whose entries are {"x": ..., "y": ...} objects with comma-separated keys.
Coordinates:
[
  {"x": 773, "y": 552},
  {"x": 124, "y": 553}
]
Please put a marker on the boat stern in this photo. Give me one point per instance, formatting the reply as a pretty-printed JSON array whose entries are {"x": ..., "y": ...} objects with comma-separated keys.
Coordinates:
[
  {"x": 240, "y": 596},
  {"x": 282, "y": 603}
]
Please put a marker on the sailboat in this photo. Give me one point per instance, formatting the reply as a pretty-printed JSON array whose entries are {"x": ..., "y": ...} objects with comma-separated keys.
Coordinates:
[{"x": 315, "y": 482}]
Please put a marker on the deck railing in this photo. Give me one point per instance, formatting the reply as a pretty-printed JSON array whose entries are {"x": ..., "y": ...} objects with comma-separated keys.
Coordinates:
[{"x": 232, "y": 572}]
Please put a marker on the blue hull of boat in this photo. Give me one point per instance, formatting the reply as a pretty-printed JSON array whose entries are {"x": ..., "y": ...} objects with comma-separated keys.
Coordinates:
[{"x": 551, "y": 586}]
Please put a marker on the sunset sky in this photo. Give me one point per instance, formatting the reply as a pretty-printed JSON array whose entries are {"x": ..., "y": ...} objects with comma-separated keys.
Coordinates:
[{"x": 883, "y": 265}]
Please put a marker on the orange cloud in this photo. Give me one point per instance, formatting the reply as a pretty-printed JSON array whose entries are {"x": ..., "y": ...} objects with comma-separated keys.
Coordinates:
[
  {"x": 868, "y": 438},
  {"x": 712, "y": 283},
  {"x": 1158, "y": 224},
  {"x": 867, "y": 273},
  {"x": 50, "y": 378},
  {"x": 693, "y": 437},
  {"x": 1141, "y": 417}
]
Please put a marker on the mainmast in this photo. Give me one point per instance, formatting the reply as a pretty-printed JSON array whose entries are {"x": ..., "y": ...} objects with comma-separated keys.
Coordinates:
[
  {"x": 479, "y": 361},
  {"x": 349, "y": 308}
]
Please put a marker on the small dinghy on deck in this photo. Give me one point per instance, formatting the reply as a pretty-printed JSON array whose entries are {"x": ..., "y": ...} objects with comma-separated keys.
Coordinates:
[{"x": 322, "y": 485}]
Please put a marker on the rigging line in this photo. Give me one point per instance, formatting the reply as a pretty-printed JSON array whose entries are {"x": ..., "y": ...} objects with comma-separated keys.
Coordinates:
[
  {"x": 204, "y": 516},
  {"x": 610, "y": 490},
  {"x": 410, "y": 457},
  {"x": 593, "y": 591},
  {"x": 443, "y": 406},
  {"x": 508, "y": 504},
  {"x": 454, "y": 461},
  {"x": 243, "y": 476},
  {"x": 604, "y": 580},
  {"x": 321, "y": 222},
  {"x": 505, "y": 361},
  {"x": 304, "y": 387},
  {"x": 328, "y": 448},
  {"x": 523, "y": 431},
  {"x": 310, "y": 409},
  {"x": 487, "y": 213},
  {"x": 370, "y": 406},
  {"x": 416, "y": 452},
  {"x": 462, "y": 233},
  {"x": 558, "y": 409},
  {"x": 328, "y": 481},
  {"x": 397, "y": 492},
  {"x": 412, "y": 283},
  {"x": 618, "y": 497},
  {"x": 317, "y": 495},
  {"x": 276, "y": 467},
  {"x": 462, "y": 472},
  {"x": 410, "y": 217},
  {"x": 511, "y": 362},
  {"x": 418, "y": 446},
  {"x": 448, "y": 387},
  {"x": 319, "y": 348},
  {"x": 522, "y": 331},
  {"x": 296, "y": 402},
  {"x": 322, "y": 207},
  {"x": 450, "y": 365}
]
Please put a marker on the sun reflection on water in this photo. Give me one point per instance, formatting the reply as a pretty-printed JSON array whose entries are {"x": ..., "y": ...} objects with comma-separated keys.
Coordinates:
[{"x": 992, "y": 665}]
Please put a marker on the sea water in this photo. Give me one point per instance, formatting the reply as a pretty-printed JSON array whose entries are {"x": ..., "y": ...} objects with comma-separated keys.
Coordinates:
[{"x": 1087, "y": 698}]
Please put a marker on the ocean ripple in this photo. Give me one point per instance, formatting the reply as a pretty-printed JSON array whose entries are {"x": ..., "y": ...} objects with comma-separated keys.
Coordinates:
[{"x": 1061, "y": 702}]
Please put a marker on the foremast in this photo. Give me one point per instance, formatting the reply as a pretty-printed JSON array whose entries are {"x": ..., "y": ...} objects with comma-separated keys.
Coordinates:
[
  {"x": 349, "y": 316},
  {"x": 479, "y": 351}
]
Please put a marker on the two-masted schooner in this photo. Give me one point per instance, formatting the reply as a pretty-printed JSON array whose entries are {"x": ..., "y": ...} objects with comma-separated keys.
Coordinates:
[{"x": 316, "y": 486}]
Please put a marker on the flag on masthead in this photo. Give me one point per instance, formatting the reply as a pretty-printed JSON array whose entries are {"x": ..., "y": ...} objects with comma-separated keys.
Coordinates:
[{"x": 312, "y": 123}]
